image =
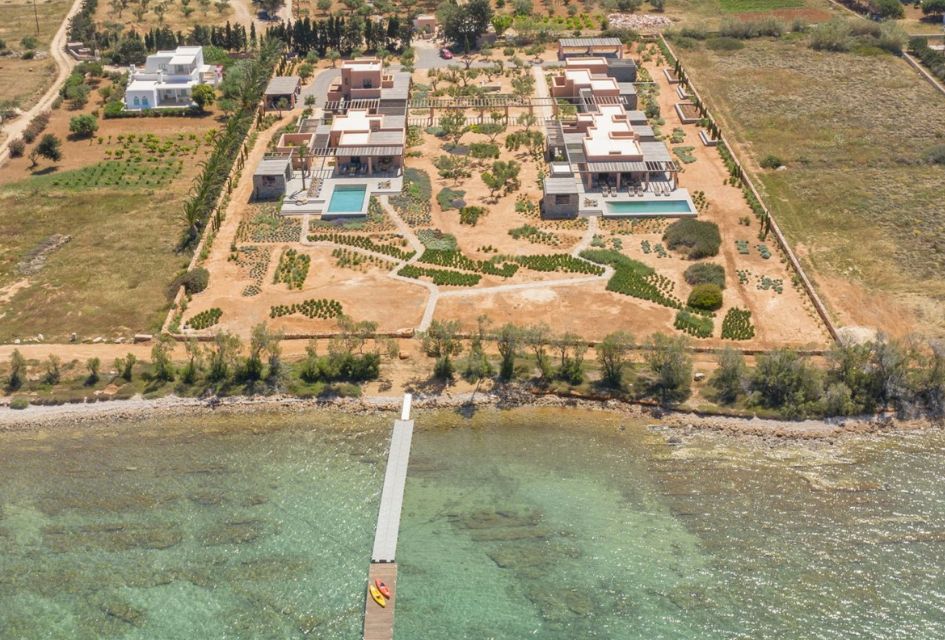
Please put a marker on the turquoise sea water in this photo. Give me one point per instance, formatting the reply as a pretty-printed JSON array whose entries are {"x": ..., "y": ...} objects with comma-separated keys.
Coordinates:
[{"x": 517, "y": 524}]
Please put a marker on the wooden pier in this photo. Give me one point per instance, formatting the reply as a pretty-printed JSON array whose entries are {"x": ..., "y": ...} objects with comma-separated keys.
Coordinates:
[{"x": 378, "y": 620}]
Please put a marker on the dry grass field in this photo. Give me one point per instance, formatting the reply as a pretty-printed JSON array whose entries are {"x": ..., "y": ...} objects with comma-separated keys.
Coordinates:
[
  {"x": 22, "y": 82},
  {"x": 856, "y": 198},
  {"x": 122, "y": 217}
]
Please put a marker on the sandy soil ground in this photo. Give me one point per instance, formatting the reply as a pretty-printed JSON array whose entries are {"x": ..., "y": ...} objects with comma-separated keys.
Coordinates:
[{"x": 83, "y": 153}]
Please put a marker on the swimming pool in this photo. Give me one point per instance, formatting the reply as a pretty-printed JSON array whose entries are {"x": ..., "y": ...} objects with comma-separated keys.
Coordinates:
[
  {"x": 650, "y": 207},
  {"x": 347, "y": 198}
]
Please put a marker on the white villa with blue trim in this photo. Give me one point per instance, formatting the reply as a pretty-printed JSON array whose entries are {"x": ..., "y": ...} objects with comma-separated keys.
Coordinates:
[{"x": 168, "y": 78}]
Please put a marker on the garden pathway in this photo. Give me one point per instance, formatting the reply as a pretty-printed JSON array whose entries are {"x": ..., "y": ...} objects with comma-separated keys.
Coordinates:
[{"x": 64, "y": 62}]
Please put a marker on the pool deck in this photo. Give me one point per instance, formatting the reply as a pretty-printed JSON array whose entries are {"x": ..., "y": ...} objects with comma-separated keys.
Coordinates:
[
  {"x": 298, "y": 202},
  {"x": 595, "y": 204}
]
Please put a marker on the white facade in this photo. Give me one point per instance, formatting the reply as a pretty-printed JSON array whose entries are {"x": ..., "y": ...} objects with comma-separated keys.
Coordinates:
[{"x": 168, "y": 78}]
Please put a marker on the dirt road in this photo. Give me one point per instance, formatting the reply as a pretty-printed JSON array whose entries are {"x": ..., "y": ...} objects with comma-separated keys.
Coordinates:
[{"x": 64, "y": 62}]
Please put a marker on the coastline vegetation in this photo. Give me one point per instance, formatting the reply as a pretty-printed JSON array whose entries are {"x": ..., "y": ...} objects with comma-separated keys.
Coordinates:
[{"x": 866, "y": 378}]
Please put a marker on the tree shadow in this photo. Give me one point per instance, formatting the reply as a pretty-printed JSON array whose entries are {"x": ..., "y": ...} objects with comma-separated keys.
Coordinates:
[{"x": 45, "y": 171}]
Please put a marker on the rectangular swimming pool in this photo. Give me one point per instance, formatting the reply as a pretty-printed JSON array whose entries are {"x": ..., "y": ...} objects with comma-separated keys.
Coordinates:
[
  {"x": 650, "y": 207},
  {"x": 347, "y": 198}
]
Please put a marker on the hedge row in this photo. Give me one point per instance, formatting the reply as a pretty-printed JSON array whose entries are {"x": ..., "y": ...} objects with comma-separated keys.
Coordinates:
[
  {"x": 205, "y": 319},
  {"x": 453, "y": 258},
  {"x": 441, "y": 276},
  {"x": 312, "y": 308},
  {"x": 558, "y": 262},
  {"x": 362, "y": 242}
]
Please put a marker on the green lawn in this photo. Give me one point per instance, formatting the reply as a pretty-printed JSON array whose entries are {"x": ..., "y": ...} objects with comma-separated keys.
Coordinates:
[
  {"x": 110, "y": 279},
  {"x": 853, "y": 130}
]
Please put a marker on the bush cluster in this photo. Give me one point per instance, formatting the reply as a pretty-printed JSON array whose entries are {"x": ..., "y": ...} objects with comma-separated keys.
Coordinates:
[
  {"x": 558, "y": 262},
  {"x": 470, "y": 215},
  {"x": 747, "y": 29},
  {"x": 705, "y": 273},
  {"x": 194, "y": 281},
  {"x": 363, "y": 242},
  {"x": 737, "y": 325},
  {"x": 633, "y": 278},
  {"x": 695, "y": 325},
  {"x": 534, "y": 235},
  {"x": 440, "y": 276},
  {"x": 205, "y": 319},
  {"x": 292, "y": 268},
  {"x": 455, "y": 259},
  {"x": 934, "y": 60},
  {"x": 697, "y": 238},
  {"x": 36, "y": 126},
  {"x": 312, "y": 308},
  {"x": 707, "y": 297}
]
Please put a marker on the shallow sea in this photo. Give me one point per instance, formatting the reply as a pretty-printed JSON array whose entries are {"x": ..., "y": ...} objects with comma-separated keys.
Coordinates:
[{"x": 530, "y": 523}]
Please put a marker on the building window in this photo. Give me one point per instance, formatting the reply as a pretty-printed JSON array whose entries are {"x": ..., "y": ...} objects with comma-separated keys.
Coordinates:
[
  {"x": 561, "y": 199},
  {"x": 137, "y": 101}
]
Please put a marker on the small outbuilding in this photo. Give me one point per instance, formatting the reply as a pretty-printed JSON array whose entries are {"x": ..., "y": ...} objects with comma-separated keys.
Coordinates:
[
  {"x": 561, "y": 197},
  {"x": 425, "y": 24},
  {"x": 271, "y": 177},
  {"x": 281, "y": 88}
]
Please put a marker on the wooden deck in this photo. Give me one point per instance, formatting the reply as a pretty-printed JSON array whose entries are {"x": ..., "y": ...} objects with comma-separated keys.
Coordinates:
[{"x": 379, "y": 621}]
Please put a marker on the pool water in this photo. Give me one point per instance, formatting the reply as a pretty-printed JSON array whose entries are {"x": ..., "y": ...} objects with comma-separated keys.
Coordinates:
[
  {"x": 347, "y": 199},
  {"x": 644, "y": 207}
]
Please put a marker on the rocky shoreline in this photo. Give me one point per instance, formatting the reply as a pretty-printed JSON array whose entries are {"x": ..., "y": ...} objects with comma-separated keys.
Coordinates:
[{"x": 674, "y": 423}]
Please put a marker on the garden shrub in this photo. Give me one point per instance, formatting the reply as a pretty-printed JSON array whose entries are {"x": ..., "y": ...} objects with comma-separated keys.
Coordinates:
[
  {"x": 17, "y": 148},
  {"x": 771, "y": 162},
  {"x": 724, "y": 44},
  {"x": 363, "y": 242},
  {"x": 633, "y": 278},
  {"x": 194, "y": 281},
  {"x": 558, "y": 262},
  {"x": 695, "y": 325},
  {"x": 935, "y": 155},
  {"x": 292, "y": 268},
  {"x": 436, "y": 239},
  {"x": 470, "y": 215},
  {"x": 746, "y": 29},
  {"x": 737, "y": 325},
  {"x": 705, "y": 296},
  {"x": 312, "y": 308},
  {"x": 205, "y": 319},
  {"x": 705, "y": 273},
  {"x": 36, "y": 126},
  {"x": 19, "y": 403},
  {"x": 447, "y": 196},
  {"x": 696, "y": 238},
  {"x": 440, "y": 276},
  {"x": 483, "y": 150}
]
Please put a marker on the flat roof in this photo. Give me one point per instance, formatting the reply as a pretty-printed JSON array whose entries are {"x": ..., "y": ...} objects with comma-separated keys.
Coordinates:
[
  {"x": 272, "y": 167},
  {"x": 386, "y": 138},
  {"x": 611, "y": 135},
  {"x": 183, "y": 59},
  {"x": 282, "y": 85},
  {"x": 590, "y": 42},
  {"x": 561, "y": 185}
]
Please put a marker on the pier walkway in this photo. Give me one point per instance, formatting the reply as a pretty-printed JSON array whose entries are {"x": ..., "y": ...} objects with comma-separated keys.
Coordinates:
[{"x": 379, "y": 621}]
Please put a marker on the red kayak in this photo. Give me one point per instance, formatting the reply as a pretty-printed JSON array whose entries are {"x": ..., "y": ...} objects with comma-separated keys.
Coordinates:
[{"x": 383, "y": 588}]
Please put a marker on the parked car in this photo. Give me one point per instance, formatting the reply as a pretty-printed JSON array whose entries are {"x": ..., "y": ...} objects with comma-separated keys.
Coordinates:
[{"x": 446, "y": 54}]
